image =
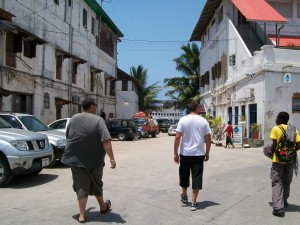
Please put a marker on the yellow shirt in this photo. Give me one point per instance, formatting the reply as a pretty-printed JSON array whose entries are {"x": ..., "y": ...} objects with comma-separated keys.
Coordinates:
[{"x": 276, "y": 134}]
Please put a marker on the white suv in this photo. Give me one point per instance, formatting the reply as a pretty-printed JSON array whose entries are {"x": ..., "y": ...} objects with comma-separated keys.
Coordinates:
[
  {"x": 29, "y": 122},
  {"x": 22, "y": 152}
]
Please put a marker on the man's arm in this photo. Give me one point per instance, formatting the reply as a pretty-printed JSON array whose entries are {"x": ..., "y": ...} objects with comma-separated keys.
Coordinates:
[
  {"x": 109, "y": 151},
  {"x": 176, "y": 146},
  {"x": 208, "y": 145}
]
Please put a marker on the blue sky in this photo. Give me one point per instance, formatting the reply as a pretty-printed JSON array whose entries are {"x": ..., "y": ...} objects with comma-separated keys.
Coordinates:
[{"x": 154, "y": 32}]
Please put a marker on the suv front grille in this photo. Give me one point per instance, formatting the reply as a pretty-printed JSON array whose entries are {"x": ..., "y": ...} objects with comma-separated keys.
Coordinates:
[{"x": 37, "y": 144}]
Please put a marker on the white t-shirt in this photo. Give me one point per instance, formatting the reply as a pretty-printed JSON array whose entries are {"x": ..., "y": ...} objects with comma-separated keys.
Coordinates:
[{"x": 193, "y": 129}]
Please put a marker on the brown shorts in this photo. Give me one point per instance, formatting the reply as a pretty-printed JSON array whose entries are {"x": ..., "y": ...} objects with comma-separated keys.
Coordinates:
[{"x": 87, "y": 181}]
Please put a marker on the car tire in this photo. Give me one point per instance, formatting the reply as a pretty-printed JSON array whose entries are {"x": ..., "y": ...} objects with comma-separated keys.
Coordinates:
[
  {"x": 121, "y": 137},
  {"x": 6, "y": 174},
  {"x": 139, "y": 135},
  {"x": 35, "y": 172},
  {"x": 153, "y": 134}
]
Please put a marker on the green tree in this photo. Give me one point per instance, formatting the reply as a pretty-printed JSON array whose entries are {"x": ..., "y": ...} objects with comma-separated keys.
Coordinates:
[
  {"x": 147, "y": 94},
  {"x": 186, "y": 87}
]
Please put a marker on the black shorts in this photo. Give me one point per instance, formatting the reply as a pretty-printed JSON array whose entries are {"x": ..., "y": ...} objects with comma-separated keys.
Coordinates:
[
  {"x": 228, "y": 140},
  {"x": 194, "y": 165},
  {"x": 87, "y": 181}
]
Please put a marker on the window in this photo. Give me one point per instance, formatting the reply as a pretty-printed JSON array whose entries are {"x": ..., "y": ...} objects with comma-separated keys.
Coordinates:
[
  {"x": 93, "y": 26},
  {"x": 112, "y": 88},
  {"x": 296, "y": 103},
  {"x": 56, "y": 2},
  {"x": 105, "y": 86},
  {"x": 10, "y": 50},
  {"x": 29, "y": 49},
  {"x": 46, "y": 101},
  {"x": 21, "y": 103},
  {"x": 74, "y": 72},
  {"x": 84, "y": 18},
  {"x": 59, "y": 60},
  {"x": 124, "y": 85},
  {"x": 70, "y": 3},
  {"x": 92, "y": 81}
]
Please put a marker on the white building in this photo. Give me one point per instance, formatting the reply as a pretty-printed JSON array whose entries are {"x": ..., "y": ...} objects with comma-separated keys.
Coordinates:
[
  {"x": 55, "y": 53},
  {"x": 127, "y": 101},
  {"x": 246, "y": 72}
]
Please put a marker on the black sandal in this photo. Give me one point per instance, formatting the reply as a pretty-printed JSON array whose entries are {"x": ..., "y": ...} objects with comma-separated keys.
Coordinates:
[
  {"x": 80, "y": 221},
  {"x": 108, "y": 205}
]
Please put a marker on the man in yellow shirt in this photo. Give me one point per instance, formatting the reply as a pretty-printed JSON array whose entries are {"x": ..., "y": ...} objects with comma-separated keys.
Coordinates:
[{"x": 281, "y": 172}]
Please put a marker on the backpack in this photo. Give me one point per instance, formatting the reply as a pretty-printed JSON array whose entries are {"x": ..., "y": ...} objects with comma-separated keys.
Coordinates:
[{"x": 286, "y": 146}]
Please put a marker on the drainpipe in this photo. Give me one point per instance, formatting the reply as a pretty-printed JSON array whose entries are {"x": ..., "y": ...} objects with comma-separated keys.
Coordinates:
[
  {"x": 278, "y": 37},
  {"x": 2, "y": 63},
  {"x": 70, "y": 63}
]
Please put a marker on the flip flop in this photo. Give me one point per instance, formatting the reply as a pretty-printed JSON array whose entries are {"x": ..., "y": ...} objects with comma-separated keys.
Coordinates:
[
  {"x": 108, "y": 205},
  {"x": 80, "y": 221}
]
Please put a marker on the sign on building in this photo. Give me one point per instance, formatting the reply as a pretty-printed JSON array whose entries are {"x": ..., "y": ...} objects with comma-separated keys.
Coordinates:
[{"x": 238, "y": 134}]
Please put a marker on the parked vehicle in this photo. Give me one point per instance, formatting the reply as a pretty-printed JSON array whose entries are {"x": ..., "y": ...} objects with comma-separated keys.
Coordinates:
[
  {"x": 22, "y": 152},
  {"x": 164, "y": 124},
  {"x": 29, "y": 122},
  {"x": 149, "y": 125},
  {"x": 60, "y": 125},
  {"x": 122, "y": 129},
  {"x": 172, "y": 130}
]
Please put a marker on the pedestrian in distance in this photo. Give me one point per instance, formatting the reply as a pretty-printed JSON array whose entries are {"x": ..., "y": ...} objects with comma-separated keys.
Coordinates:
[
  {"x": 191, "y": 132},
  {"x": 285, "y": 141},
  {"x": 88, "y": 141},
  {"x": 229, "y": 134}
]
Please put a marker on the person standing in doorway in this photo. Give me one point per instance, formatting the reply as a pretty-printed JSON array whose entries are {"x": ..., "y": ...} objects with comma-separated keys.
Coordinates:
[
  {"x": 191, "y": 132},
  {"x": 229, "y": 135},
  {"x": 88, "y": 140}
]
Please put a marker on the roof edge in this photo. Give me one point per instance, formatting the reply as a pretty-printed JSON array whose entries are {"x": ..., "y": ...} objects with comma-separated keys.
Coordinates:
[{"x": 100, "y": 12}]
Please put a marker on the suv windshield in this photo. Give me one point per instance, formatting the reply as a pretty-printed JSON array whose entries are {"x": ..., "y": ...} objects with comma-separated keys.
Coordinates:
[
  {"x": 32, "y": 123},
  {"x": 140, "y": 122},
  {"x": 4, "y": 124}
]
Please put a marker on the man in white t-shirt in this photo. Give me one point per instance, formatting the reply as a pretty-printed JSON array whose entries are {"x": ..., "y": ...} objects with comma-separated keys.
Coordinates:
[{"x": 191, "y": 134}]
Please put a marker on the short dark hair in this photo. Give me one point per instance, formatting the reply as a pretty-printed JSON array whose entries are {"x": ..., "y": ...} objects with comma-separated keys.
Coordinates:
[
  {"x": 87, "y": 103},
  {"x": 192, "y": 106},
  {"x": 229, "y": 122},
  {"x": 284, "y": 117}
]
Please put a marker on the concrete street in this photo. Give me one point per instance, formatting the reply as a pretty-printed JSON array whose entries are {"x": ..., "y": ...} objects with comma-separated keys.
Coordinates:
[{"x": 144, "y": 189}]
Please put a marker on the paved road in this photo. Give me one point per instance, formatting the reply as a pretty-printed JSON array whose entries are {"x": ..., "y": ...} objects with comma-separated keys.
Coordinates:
[{"x": 144, "y": 190}]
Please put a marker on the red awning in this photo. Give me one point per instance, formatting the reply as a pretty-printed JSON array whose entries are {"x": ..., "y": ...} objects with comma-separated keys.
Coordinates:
[
  {"x": 258, "y": 10},
  {"x": 286, "y": 40}
]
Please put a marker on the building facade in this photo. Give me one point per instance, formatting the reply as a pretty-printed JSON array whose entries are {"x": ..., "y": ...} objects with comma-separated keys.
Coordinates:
[
  {"x": 249, "y": 61},
  {"x": 54, "y": 54},
  {"x": 127, "y": 100}
]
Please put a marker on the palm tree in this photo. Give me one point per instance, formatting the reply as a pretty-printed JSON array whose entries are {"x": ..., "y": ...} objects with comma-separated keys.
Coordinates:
[
  {"x": 186, "y": 87},
  {"x": 147, "y": 95}
]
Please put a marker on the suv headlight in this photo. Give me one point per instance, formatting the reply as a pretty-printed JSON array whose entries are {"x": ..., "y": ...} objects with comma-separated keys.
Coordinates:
[
  {"x": 61, "y": 142},
  {"x": 20, "y": 145}
]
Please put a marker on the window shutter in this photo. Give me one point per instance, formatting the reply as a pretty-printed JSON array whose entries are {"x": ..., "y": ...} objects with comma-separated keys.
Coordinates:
[{"x": 17, "y": 43}]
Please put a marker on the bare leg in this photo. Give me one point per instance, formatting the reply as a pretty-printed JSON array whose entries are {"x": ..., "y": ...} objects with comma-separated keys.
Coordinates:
[
  {"x": 82, "y": 204},
  {"x": 101, "y": 203},
  {"x": 195, "y": 195},
  {"x": 184, "y": 191}
]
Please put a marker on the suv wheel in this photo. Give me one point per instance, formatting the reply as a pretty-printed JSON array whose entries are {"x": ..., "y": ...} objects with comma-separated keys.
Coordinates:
[
  {"x": 121, "y": 137},
  {"x": 35, "y": 172},
  {"x": 6, "y": 174}
]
